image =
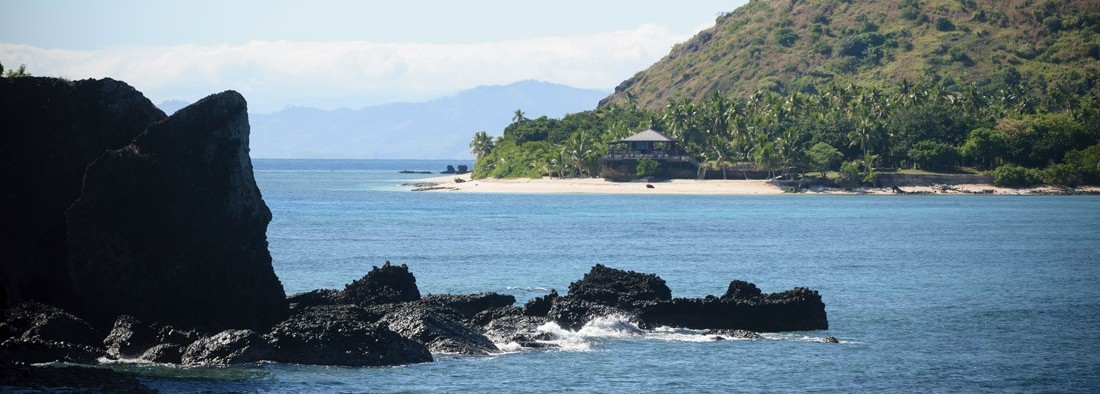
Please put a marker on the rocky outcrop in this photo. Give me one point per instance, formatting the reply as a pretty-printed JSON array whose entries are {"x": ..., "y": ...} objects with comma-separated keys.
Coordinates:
[
  {"x": 438, "y": 331},
  {"x": 172, "y": 228},
  {"x": 52, "y": 130},
  {"x": 36, "y": 333},
  {"x": 388, "y": 284},
  {"x": 469, "y": 305},
  {"x": 342, "y": 335},
  {"x": 228, "y": 347},
  {"x": 618, "y": 288},
  {"x": 131, "y": 338},
  {"x": 605, "y": 291}
]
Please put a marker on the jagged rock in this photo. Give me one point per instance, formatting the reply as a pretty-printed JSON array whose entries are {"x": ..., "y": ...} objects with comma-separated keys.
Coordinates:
[
  {"x": 469, "y": 305},
  {"x": 228, "y": 347},
  {"x": 314, "y": 298},
  {"x": 483, "y": 318},
  {"x": 167, "y": 353},
  {"x": 520, "y": 329},
  {"x": 52, "y": 130},
  {"x": 792, "y": 310},
  {"x": 540, "y": 306},
  {"x": 572, "y": 314},
  {"x": 342, "y": 335},
  {"x": 831, "y": 340},
  {"x": 34, "y": 320},
  {"x": 437, "y": 331},
  {"x": 741, "y": 290},
  {"x": 388, "y": 284},
  {"x": 132, "y": 338},
  {"x": 172, "y": 228},
  {"x": 618, "y": 288},
  {"x": 37, "y": 333}
]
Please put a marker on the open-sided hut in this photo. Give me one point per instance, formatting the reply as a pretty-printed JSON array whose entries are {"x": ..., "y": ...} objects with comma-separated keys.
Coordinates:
[{"x": 621, "y": 161}]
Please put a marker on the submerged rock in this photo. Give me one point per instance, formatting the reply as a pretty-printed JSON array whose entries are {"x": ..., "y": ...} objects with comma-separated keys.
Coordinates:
[
  {"x": 342, "y": 335},
  {"x": 520, "y": 329},
  {"x": 388, "y": 284},
  {"x": 52, "y": 130},
  {"x": 172, "y": 228},
  {"x": 228, "y": 347}
]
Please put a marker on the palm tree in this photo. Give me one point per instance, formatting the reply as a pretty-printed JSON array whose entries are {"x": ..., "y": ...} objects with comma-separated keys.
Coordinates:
[
  {"x": 519, "y": 116},
  {"x": 481, "y": 145}
]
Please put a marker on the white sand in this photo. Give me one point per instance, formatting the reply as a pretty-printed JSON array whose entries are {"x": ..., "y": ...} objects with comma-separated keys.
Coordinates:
[
  {"x": 600, "y": 186},
  {"x": 688, "y": 186}
]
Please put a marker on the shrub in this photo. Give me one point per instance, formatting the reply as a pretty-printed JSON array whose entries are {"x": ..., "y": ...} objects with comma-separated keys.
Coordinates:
[
  {"x": 824, "y": 157},
  {"x": 1062, "y": 174},
  {"x": 1010, "y": 175},
  {"x": 785, "y": 37},
  {"x": 646, "y": 168},
  {"x": 849, "y": 174},
  {"x": 944, "y": 24}
]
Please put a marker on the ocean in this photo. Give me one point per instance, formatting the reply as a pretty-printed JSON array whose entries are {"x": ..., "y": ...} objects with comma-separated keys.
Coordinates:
[{"x": 926, "y": 293}]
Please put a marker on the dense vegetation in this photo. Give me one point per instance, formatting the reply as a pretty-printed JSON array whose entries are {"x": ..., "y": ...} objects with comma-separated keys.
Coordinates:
[{"x": 853, "y": 87}]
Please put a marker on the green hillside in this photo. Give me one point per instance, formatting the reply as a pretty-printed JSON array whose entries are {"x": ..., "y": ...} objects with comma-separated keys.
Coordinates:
[
  {"x": 853, "y": 88},
  {"x": 1051, "y": 46}
]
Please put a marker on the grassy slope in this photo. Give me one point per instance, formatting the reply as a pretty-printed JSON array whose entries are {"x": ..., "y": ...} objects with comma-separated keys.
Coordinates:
[{"x": 743, "y": 52}]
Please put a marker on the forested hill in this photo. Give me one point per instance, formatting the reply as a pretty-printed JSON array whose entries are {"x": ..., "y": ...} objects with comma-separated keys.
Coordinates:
[{"x": 1051, "y": 47}]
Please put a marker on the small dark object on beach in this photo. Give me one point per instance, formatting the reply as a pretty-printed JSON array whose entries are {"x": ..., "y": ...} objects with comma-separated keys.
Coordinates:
[
  {"x": 459, "y": 180},
  {"x": 649, "y": 186}
]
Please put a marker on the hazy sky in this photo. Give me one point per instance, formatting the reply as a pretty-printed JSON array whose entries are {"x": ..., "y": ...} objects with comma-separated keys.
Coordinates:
[{"x": 344, "y": 53}]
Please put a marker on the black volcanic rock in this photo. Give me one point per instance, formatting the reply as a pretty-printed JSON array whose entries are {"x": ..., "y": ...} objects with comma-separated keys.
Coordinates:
[
  {"x": 793, "y": 310},
  {"x": 540, "y": 306},
  {"x": 619, "y": 288},
  {"x": 388, "y": 284},
  {"x": 342, "y": 335},
  {"x": 50, "y": 130},
  {"x": 438, "y": 331},
  {"x": 133, "y": 338},
  {"x": 33, "y": 332},
  {"x": 741, "y": 290},
  {"x": 228, "y": 347},
  {"x": 172, "y": 228},
  {"x": 470, "y": 305}
]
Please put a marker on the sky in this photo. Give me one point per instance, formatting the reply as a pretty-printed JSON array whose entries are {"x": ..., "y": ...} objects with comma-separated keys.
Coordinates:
[{"x": 330, "y": 54}]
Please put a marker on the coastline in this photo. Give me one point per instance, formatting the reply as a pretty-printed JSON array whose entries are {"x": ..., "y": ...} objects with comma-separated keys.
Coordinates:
[{"x": 448, "y": 183}]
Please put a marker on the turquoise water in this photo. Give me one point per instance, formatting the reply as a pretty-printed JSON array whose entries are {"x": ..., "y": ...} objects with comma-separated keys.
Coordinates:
[{"x": 927, "y": 293}]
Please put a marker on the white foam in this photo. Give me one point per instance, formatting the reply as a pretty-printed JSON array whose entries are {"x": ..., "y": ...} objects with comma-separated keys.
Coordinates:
[{"x": 607, "y": 327}]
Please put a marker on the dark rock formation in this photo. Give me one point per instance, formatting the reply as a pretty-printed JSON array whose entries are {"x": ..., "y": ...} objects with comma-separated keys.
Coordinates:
[
  {"x": 314, "y": 298},
  {"x": 523, "y": 330},
  {"x": 35, "y": 333},
  {"x": 469, "y": 305},
  {"x": 228, "y": 347},
  {"x": 385, "y": 285},
  {"x": 605, "y": 291},
  {"x": 50, "y": 130},
  {"x": 792, "y": 310},
  {"x": 132, "y": 338},
  {"x": 342, "y": 335},
  {"x": 618, "y": 288},
  {"x": 166, "y": 353},
  {"x": 540, "y": 306},
  {"x": 172, "y": 228},
  {"x": 732, "y": 334},
  {"x": 438, "y": 331}
]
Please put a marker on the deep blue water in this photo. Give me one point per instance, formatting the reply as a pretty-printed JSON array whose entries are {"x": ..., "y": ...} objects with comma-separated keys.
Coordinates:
[{"x": 927, "y": 293}]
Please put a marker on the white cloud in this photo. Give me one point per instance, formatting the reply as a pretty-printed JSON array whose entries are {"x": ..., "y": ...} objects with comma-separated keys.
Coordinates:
[{"x": 272, "y": 74}]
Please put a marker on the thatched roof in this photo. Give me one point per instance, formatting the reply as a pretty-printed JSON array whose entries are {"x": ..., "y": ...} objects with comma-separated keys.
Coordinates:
[{"x": 647, "y": 136}]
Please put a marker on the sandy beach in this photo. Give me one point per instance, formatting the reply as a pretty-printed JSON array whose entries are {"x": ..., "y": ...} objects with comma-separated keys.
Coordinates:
[{"x": 690, "y": 186}]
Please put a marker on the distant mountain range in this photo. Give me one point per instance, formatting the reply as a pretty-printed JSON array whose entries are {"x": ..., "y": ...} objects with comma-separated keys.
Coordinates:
[{"x": 437, "y": 129}]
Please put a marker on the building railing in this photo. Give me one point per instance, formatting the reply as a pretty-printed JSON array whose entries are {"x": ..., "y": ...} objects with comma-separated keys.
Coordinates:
[{"x": 653, "y": 155}]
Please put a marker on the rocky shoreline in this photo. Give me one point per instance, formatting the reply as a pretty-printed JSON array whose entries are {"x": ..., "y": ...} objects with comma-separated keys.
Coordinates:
[{"x": 131, "y": 235}]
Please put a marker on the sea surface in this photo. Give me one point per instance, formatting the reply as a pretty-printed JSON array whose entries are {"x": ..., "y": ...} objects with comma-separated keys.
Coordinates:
[{"x": 926, "y": 293}]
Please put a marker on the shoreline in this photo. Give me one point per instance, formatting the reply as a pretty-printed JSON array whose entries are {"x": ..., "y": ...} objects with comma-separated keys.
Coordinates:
[{"x": 448, "y": 183}]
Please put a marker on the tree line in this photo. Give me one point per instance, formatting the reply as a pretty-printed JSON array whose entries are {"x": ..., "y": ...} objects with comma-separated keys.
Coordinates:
[{"x": 851, "y": 131}]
